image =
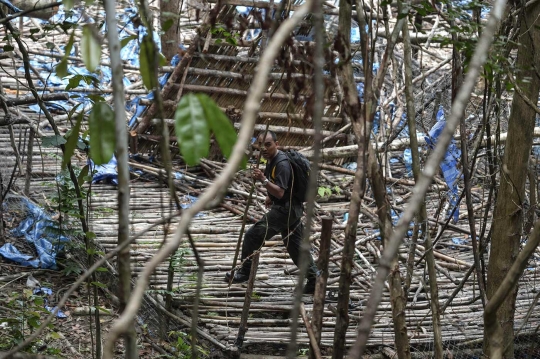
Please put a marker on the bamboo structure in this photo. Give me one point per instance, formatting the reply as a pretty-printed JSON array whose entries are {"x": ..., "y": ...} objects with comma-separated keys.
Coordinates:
[{"x": 224, "y": 71}]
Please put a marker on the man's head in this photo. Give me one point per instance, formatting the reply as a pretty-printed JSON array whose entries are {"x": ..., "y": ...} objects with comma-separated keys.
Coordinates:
[{"x": 269, "y": 144}]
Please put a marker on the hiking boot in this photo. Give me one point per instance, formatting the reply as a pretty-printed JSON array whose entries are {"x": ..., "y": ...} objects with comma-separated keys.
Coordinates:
[
  {"x": 240, "y": 276},
  {"x": 309, "y": 288}
]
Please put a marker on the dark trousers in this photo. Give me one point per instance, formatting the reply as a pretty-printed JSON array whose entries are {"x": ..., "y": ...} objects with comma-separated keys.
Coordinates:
[{"x": 277, "y": 220}]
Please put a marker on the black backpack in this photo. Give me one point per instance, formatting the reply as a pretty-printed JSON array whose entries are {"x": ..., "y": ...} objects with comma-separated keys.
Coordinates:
[{"x": 301, "y": 169}]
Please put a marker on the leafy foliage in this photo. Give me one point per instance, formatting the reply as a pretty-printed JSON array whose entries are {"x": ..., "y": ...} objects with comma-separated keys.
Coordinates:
[
  {"x": 196, "y": 117},
  {"x": 192, "y": 129}
]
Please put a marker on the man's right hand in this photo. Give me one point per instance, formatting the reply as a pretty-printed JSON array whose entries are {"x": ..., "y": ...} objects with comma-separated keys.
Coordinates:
[{"x": 268, "y": 202}]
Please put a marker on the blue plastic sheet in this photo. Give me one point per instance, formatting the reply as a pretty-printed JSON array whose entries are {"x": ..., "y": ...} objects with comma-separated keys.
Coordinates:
[
  {"x": 10, "y": 6},
  {"x": 38, "y": 228},
  {"x": 134, "y": 105},
  {"x": 129, "y": 53},
  {"x": 9, "y": 251},
  {"x": 449, "y": 164},
  {"x": 106, "y": 173},
  {"x": 44, "y": 291},
  {"x": 407, "y": 160}
]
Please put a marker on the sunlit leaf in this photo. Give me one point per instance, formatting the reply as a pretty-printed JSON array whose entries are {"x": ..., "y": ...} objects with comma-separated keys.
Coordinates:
[
  {"x": 127, "y": 40},
  {"x": 146, "y": 61},
  {"x": 102, "y": 136},
  {"x": 167, "y": 25},
  {"x": 99, "y": 284},
  {"x": 192, "y": 129},
  {"x": 72, "y": 141},
  {"x": 220, "y": 125},
  {"x": 90, "y": 49},
  {"x": 162, "y": 59},
  {"x": 82, "y": 175}
]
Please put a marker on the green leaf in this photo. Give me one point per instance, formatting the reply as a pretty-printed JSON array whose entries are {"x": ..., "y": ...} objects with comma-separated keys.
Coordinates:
[
  {"x": 101, "y": 269},
  {"x": 102, "y": 136},
  {"x": 8, "y": 48},
  {"x": 55, "y": 335},
  {"x": 146, "y": 60},
  {"x": 82, "y": 175},
  {"x": 231, "y": 40},
  {"x": 192, "y": 129},
  {"x": 53, "y": 141},
  {"x": 99, "y": 284},
  {"x": 126, "y": 40},
  {"x": 61, "y": 69},
  {"x": 167, "y": 25},
  {"x": 76, "y": 80},
  {"x": 219, "y": 124},
  {"x": 90, "y": 49},
  {"x": 72, "y": 141},
  {"x": 38, "y": 301},
  {"x": 34, "y": 322},
  {"x": 162, "y": 60},
  {"x": 90, "y": 235},
  {"x": 68, "y": 4}
]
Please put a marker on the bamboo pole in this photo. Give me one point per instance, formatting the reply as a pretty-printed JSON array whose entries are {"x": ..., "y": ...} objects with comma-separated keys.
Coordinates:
[
  {"x": 312, "y": 339},
  {"x": 247, "y": 303},
  {"x": 320, "y": 287}
]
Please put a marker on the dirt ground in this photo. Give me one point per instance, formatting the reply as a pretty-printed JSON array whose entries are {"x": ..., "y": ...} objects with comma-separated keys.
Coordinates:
[{"x": 72, "y": 336}]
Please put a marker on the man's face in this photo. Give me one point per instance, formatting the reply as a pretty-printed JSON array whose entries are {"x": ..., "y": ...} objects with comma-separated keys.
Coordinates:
[{"x": 269, "y": 146}]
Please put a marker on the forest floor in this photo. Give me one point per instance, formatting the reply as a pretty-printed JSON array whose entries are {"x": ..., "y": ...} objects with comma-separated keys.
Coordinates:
[{"x": 23, "y": 309}]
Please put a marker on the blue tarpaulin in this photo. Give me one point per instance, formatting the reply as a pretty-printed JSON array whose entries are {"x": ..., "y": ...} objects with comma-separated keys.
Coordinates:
[
  {"x": 449, "y": 164},
  {"x": 39, "y": 229},
  {"x": 106, "y": 173}
]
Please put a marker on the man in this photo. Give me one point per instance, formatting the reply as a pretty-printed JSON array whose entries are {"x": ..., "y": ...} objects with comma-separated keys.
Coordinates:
[{"x": 285, "y": 215}]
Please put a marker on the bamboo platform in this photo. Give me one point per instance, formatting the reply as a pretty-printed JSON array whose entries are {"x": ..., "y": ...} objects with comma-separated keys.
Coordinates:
[{"x": 216, "y": 232}]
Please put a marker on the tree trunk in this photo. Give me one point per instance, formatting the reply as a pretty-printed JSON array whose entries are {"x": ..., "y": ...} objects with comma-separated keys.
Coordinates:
[
  {"x": 508, "y": 215},
  {"x": 170, "y": 39}
]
